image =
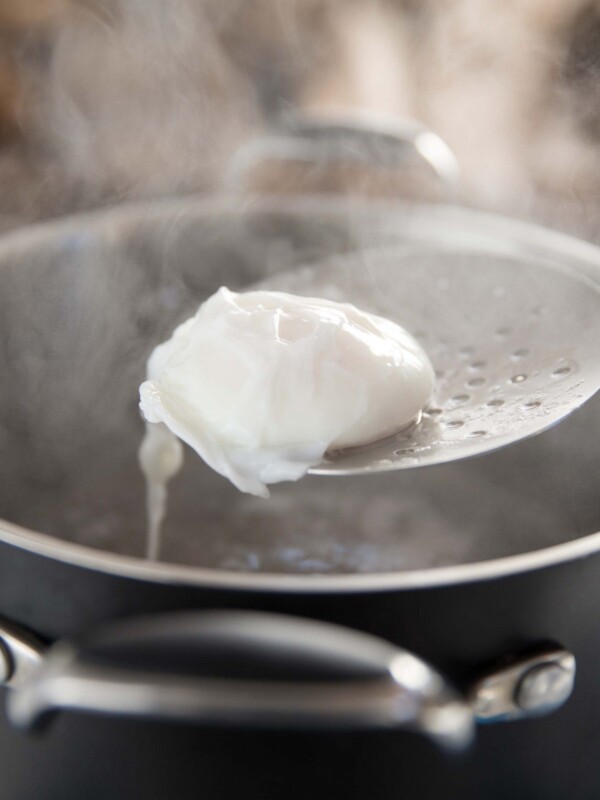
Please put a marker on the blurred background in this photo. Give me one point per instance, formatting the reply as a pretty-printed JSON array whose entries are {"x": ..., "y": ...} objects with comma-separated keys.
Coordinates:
[{"x": 106, "y": 102}]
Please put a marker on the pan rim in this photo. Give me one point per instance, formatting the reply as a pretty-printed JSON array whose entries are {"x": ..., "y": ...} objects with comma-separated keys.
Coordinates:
[
  {"x": 525, "y": 233},
  {"x": 264, "y": 582}
]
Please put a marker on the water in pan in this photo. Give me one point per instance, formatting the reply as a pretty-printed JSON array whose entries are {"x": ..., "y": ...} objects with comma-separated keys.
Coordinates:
[{"x": 534, "y": 494}]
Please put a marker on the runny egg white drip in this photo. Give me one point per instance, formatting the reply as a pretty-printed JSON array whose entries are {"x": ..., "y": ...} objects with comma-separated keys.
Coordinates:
[{"x": 262, "y": 384}]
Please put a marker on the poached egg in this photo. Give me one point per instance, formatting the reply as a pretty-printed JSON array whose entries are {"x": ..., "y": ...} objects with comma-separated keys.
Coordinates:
[{"x": 262, "y": 384}]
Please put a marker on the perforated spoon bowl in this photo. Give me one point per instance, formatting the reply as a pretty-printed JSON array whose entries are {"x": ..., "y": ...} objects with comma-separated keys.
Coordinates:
[{"x": 514, "y": 337}]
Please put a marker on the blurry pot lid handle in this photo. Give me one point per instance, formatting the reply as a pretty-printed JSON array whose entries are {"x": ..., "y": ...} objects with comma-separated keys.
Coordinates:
[
  {"x": 347, "y": 152},
  {"x": 244, "y": 669}
]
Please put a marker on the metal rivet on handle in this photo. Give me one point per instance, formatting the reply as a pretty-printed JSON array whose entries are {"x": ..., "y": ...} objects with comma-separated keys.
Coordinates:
[
  {"x": 545, "y": 687},
  {"x": 534, "y": 685}
]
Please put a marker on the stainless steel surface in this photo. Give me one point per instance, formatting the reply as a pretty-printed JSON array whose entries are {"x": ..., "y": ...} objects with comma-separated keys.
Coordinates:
[
  {"x": 532, "y": 686},
  {"x": 20, "y": 655},
  {"x": 70, "y": 429},
  {"x": 374, "y": 684}
]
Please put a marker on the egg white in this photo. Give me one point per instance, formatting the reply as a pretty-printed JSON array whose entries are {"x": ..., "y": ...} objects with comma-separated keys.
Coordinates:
[{"x": 262, "y": 384}]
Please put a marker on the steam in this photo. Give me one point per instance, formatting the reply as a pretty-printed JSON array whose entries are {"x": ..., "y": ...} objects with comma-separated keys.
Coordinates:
[
  {"x": 135, "y": 99},
  {"x": 141, "y": 100},
  {"x": 491, "y": 83}
]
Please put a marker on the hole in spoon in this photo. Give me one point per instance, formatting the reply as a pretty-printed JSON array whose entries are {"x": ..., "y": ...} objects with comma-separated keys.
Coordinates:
[
  {"x": 454, "y": 423},
  {"x": 502, "y": 332}
]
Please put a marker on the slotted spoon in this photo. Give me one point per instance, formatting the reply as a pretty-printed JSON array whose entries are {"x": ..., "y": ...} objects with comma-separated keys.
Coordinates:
[{"x": 514, "y": 338}]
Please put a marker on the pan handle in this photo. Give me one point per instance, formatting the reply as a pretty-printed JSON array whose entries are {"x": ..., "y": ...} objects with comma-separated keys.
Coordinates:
[
  {"x": 243, "y": 668},
  {"x": 347, "y": 151}
]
